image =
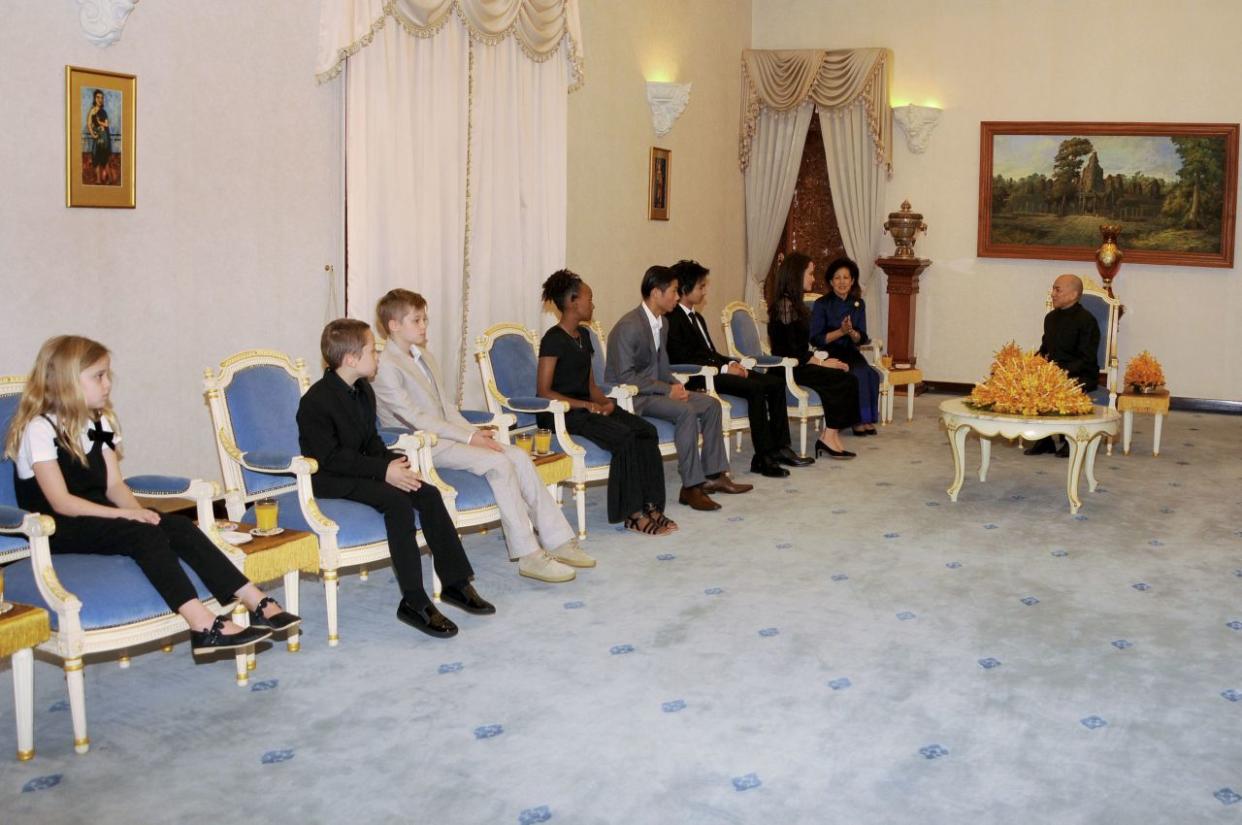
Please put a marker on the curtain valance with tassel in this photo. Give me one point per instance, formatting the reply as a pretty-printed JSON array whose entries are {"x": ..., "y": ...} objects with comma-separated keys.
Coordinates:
[
  {"x": 782, "y": 80},
  {"x": 538, "y": 26}
]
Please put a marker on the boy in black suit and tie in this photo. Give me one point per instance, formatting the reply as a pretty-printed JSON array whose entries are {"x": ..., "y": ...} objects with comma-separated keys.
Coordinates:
[
  {"x": 336, "y": 427},
  {"x": 689, "y": 342}
]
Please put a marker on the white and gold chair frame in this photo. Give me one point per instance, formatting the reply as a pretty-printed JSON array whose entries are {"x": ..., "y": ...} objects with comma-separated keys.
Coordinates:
[
  {"x": 498, "y": 402},
  {"x": 70, "y": 643},
  {"x": 803, "y": 409},
  {"x": 332, "y": 557}
]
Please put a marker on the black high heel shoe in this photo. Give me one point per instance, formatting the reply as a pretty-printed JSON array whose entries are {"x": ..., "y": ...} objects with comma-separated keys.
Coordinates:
[{"x": 840, "y": 455}]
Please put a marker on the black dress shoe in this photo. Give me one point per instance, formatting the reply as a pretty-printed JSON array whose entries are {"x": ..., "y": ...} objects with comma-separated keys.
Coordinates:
[
  {"x": 281, "y": 621},
  {"x": 767, "y": 467},
  {"x": 468, "y": 599},
  {"x": 427, "y": 619},
  {"x": 1041, "y": 447},
  {"x": 789, "y": 458},
  {"x": 214, "y": 638}
]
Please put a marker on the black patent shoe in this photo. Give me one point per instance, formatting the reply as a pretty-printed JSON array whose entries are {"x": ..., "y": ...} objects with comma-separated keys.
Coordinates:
[
  {"x": 840, "y": 455},
  {"x": 767, "y": 467},
  {"x": 427, "y": 619},
  {"x": 789, "y": 458},
  {"x": 281, "y": 621},
  {"x": 468, "y": 599},
  {"x": 1043, "y": 446},
  {"x": 214, "y": 638}
]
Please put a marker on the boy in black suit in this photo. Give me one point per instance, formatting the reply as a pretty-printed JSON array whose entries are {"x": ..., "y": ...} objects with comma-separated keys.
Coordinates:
[
  {"x": 689, "y": 342},
  {"x": 336, "y": 427}
]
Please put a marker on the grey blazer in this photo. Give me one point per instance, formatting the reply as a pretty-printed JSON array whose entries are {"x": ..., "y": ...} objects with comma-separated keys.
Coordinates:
[
  {"x": 406, "y": 398},
  {"x": 631, "y": 355}
]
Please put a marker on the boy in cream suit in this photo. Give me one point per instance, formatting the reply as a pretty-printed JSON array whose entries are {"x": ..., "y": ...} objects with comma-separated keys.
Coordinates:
[{"x": 411, "y": 394}]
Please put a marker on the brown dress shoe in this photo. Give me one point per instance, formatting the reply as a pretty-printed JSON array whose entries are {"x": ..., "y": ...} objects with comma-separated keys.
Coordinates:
[
  {"x": 697, "y": 499},
  {"x": 724, "y": 484}
]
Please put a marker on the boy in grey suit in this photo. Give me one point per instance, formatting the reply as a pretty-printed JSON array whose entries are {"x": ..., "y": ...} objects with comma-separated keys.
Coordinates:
[
  {"x": 411, "y": 395},
  {"x": 638, "y": 355}
]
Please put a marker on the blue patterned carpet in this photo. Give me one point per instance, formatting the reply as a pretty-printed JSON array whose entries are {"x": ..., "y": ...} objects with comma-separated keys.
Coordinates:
[{"x": 843, "y": 646}]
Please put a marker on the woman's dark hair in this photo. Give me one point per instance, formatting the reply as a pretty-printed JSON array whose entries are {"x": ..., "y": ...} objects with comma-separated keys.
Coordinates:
[
  {"x": 688, "y": 274},
  {"x": 788, "y": 285},
  {"x": 561, "y": 287},
  {"x": 844, "y": 263}
]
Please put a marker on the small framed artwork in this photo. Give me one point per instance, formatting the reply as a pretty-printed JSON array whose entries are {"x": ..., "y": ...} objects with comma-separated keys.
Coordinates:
[
  {"x": 1046, "y": 187},
  {"x": 99, "y": 138},
  {"x": 657, "y": 191}
]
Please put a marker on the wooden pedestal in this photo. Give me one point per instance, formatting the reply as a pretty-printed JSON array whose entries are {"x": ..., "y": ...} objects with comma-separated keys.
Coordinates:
[{"x": 903, "y": 288}]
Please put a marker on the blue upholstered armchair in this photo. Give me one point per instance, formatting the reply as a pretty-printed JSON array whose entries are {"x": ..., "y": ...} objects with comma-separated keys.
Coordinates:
[
  {"x": 742, "y": 336},
  {"x": 507, "y": 355},
  {"x": 14, "y": 544},
  {"x": 96, "y": 604},
  {"x": 253, "y": 399}
]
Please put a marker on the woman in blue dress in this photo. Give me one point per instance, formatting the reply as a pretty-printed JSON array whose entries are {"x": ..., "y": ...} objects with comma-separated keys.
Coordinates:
[{"x": 839, "y": 325}]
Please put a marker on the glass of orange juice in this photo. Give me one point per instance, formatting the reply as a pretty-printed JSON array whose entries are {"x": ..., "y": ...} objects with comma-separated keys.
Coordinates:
[
  {"x": 265, "y": 515},
  {"x": 526, "y": 441},
  {"x": 543, "y": 441}
]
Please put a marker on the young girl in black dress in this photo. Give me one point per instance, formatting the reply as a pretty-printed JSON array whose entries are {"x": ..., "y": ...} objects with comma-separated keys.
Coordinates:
[
  {"x": 636, "y": 473},
  {"x": 66, "y": 445},
  {"x": 789, "y": 331}
]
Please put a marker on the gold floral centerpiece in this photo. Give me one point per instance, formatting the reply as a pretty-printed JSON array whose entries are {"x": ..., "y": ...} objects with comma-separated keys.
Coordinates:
[
  {"x": 1143, "y": 373},
  {"x": 1025, "y": 383}
]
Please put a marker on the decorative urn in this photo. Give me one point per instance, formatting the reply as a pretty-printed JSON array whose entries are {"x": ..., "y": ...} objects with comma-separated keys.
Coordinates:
[
  {"x": 1108, "y": 256},
  {"x": 903, "y": 226}
]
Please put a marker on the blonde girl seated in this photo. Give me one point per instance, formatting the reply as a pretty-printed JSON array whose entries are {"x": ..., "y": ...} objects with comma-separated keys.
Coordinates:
[{"x": 66, "y": 447}]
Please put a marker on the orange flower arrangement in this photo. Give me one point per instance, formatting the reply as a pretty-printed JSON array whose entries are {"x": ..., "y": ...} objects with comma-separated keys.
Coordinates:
[
  {"x": 1144, "y": 371},
  {"x": 1025, "y": 383}
]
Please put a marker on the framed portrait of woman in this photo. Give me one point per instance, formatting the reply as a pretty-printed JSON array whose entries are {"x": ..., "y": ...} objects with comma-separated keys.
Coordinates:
[{"x": 99, "y": 137}]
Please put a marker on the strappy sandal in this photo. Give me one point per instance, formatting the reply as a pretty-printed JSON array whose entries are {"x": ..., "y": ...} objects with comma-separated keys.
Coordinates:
[
  {"x": 666, "y": 523},
  {"x": 644, "y": 524}
]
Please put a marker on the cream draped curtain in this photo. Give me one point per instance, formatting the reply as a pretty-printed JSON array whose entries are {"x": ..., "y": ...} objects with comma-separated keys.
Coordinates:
[
  {"x": 770, "y": 182},
  {"x": 849, "y": 88},
  {"x": 455, "y": 154}
]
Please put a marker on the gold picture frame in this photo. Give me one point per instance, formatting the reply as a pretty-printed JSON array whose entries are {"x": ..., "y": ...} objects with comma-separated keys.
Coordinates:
[
  {"x": 100, "y": 120},
  {"x": 658, "y": 184}
]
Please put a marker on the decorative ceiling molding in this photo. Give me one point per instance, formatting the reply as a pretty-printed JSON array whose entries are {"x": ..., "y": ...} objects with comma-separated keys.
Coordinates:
[{"x": 103, "y": 20}]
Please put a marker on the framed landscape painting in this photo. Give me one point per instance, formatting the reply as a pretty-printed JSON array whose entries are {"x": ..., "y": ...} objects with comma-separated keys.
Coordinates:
[
  {"x": 99, "y": 137},
  {"x": 1046, "y": 187}
]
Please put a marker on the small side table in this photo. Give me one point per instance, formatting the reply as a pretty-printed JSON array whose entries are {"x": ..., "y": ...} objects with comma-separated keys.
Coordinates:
[
  {"x": 1155, "y": 403},
  {"x": 21, "y": 629},
  {"x": 553, "y": 468},
  {"x": 284, "y": 555},
  {"x": 894, "y": 378}
]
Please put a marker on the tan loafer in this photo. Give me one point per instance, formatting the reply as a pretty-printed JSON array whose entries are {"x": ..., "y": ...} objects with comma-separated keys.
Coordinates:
[
  {"x": 571, "y": 553},
  {"x": 541, "y": 566}
]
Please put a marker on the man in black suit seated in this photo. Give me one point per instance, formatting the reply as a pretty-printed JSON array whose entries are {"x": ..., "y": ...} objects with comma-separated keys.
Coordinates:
[
  {"x": 336, "y": 427},
  {"x": 689, "y": 342},
  {"x": 1072, "y": 342}
]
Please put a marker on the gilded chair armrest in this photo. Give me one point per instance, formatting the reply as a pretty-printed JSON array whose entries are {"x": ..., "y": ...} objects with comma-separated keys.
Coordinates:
[
  {"x": 201, "y": 491},
  {"x": 623, "y": 394},
  {"x": 418, "y": 447},
  {"x": 692, "y": 370},
  {"x": 61, "y": 601},
  {"x": 13, "y": 520},
  {"x": 774, "y": 361},
  {"x": 530, "y": 404},
  {"x": 485, "y": 417},
  {"x": 389, "y": 435},
  {"x": 571, "y": 448},
  {"x": 267, "y": 461}
]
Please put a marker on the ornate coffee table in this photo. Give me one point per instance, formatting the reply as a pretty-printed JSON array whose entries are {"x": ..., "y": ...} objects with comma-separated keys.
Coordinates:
[{"x": 1083, "y": 432}]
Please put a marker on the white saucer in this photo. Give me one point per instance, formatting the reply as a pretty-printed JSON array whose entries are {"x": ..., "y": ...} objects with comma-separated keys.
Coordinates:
[
  {"x": 234, "y": 537},
  {"x": 276, "y": 531}
]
